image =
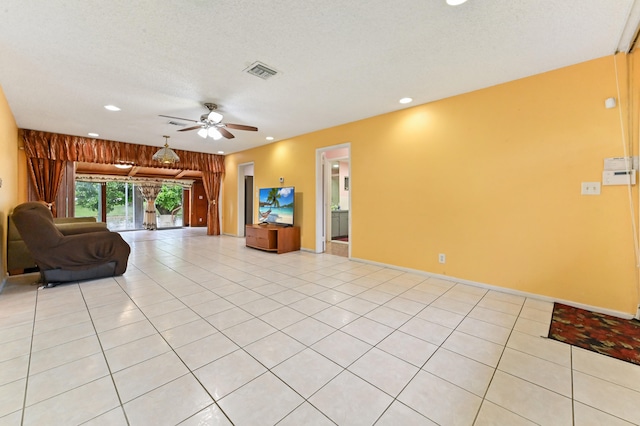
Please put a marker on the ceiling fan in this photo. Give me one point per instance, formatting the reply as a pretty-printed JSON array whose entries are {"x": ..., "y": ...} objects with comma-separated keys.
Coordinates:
[{"x": 211, "y": 125}]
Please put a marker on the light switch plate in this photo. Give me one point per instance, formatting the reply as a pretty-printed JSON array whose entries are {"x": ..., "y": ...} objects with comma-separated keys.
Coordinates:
[{"x": 590, "y": 188}]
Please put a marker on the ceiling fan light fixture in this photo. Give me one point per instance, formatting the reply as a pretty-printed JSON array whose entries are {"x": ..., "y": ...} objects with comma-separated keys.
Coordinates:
[
  {"x": 202, "y": 133},
  {"x": 214, "y": 116},
  {"x": 166, "y": 155},
  {"x": 214, "y": 133}
]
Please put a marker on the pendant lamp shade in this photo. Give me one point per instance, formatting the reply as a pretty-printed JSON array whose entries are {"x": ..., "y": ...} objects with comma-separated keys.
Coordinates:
[
  {"x": 214, "y": 133},
  {"x": 214, "y": 116},
  {"x": 166, "y": 155}
]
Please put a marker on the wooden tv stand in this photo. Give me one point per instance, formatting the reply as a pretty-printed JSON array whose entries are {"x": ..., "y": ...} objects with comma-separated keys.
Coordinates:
[{"x": 281, "y": 239}]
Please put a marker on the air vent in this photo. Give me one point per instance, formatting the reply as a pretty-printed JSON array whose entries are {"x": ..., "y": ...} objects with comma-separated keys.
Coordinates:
[
  {"x": 261, "y": 70},
  {"x": 175, "y": 123}
]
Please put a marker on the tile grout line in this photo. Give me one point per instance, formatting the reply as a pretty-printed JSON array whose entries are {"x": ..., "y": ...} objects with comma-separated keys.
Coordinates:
[
  {"x": 26, "y": 384},
  {"x": 104, "y": 356},
  {"x": 190, "y": 372}
]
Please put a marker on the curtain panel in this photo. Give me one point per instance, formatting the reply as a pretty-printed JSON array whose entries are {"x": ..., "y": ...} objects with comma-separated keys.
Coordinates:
[
  {"x": 211, "y": 182},
  {"x": 58, "y": 147},
  {"x": 46, "y": 176},
  {"x": 150, "y": 192}
]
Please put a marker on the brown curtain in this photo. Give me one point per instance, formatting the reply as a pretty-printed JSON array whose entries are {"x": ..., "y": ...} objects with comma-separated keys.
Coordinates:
[
  {"x": 211, "y": 183},
  {"x": 150, "y": 192},
  {"x": 46, "y": 176}
]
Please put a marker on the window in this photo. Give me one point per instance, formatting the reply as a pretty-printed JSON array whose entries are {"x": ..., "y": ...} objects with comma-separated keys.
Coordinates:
[
  {"x": 169, "y": 206},
  {"x": 88, "y": 200}
]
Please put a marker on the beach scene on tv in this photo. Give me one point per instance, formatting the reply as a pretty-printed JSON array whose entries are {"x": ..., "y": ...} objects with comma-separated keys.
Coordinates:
[{"x": 276, "y": 205}]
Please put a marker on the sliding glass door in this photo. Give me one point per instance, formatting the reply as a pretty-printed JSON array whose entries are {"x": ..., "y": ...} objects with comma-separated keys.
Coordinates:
[
  {"x": 169, "y": 206},
  {"x": 119, "y": 204},
  {"x": 88, "y": 200},
  {"x": 124, "y": 206}
]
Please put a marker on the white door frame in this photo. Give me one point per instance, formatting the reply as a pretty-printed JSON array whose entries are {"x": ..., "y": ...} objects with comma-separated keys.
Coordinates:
[
  {"x": 322, "y": 201},
  {"x": 242, "y": 172}
]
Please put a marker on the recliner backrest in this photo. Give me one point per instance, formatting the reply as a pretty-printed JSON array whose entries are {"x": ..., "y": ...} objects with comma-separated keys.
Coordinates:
[{"x": 35, "y": 224}]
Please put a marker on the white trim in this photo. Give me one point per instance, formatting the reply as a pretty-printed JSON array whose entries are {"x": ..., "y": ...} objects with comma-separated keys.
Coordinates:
[
  {"x": 598, "y": 309},
  {"x": 231, "y": 235},
  {"x": 3, "y": 283}
]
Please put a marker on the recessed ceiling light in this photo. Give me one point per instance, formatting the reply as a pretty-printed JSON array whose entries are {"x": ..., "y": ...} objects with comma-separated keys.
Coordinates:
[
  {"x": 405, "y": 100},
  {"x": 93, "y": 135},
  {"x": 112, "y": 108},
  {"x": 455, "y": 2},
  {"x": 269, "y": 138},
  {"x": 220, "y": 152}
]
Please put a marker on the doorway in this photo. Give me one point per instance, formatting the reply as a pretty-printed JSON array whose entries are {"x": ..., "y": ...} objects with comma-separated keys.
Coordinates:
[
  {"x": 333, "y": 200},
  {"x": 246, "y": 193}
]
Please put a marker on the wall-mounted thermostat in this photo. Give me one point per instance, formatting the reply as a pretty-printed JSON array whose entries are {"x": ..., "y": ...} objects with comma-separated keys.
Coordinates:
[{"x": 619, "y": 177}]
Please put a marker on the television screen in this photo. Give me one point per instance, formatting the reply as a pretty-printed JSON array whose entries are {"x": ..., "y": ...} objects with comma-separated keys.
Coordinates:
[{"x": 275, "y": 205}]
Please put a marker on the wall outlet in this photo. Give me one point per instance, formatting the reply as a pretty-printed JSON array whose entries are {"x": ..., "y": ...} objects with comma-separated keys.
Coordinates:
[
  {"x": 590, "y": 188},
  {"x": 442, "y": 258}
]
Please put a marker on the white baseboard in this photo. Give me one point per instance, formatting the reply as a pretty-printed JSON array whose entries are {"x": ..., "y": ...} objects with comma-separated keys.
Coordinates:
[
  {"x": 598, "y": 309},
  {"x": 3, "y": 282}
]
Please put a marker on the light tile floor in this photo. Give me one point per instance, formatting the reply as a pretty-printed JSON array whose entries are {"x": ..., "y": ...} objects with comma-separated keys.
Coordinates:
[{"x": 204, "y": 331}]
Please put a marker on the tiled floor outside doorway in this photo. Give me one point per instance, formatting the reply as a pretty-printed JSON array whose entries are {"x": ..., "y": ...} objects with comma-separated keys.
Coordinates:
[{"x": 337, "y": 248}]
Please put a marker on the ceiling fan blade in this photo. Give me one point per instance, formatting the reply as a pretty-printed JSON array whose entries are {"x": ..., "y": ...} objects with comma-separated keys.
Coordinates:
[
  {"x": 240, "y": 127},
  {"x": 224, "y": 132},
  {"x": 190, "y": 128},
  {"x": 178, "y": 118}
]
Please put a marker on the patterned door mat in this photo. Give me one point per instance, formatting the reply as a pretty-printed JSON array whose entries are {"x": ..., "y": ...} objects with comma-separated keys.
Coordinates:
[{"x": 616, "y": 337}]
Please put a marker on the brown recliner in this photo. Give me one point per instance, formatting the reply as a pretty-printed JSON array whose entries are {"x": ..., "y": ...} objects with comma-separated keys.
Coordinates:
[{"x": 64, "y": 258}]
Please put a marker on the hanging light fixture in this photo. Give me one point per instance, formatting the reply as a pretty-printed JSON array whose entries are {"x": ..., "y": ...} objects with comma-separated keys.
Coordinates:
[{"x": 166, "y": 155}]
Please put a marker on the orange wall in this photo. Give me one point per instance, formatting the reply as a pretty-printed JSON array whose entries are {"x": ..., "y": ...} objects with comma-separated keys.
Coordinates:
[
  {"x": 8, "y": 172},
  {"x": 490, "y": 178}
]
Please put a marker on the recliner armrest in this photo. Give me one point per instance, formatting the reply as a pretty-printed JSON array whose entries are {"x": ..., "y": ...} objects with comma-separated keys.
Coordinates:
[
  {"x": 58, "y": 220},
  {"x": 74, "y": 228}
]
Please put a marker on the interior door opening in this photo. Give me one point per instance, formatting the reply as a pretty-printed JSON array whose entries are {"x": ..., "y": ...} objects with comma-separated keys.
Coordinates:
[
  {"x": 333, "y": 200},
  {"x": 246, "y": 197}
]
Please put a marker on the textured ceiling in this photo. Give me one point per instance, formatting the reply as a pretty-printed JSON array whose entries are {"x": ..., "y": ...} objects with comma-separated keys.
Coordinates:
[{"x": 338, "y": 61}]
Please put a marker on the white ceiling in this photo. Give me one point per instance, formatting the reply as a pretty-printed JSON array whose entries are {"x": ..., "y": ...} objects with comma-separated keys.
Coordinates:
[{"x": 338, "y": 61}]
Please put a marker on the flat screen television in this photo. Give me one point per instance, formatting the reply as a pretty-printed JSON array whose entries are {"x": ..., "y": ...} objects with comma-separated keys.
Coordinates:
[{"x": 276, "y": 205}]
